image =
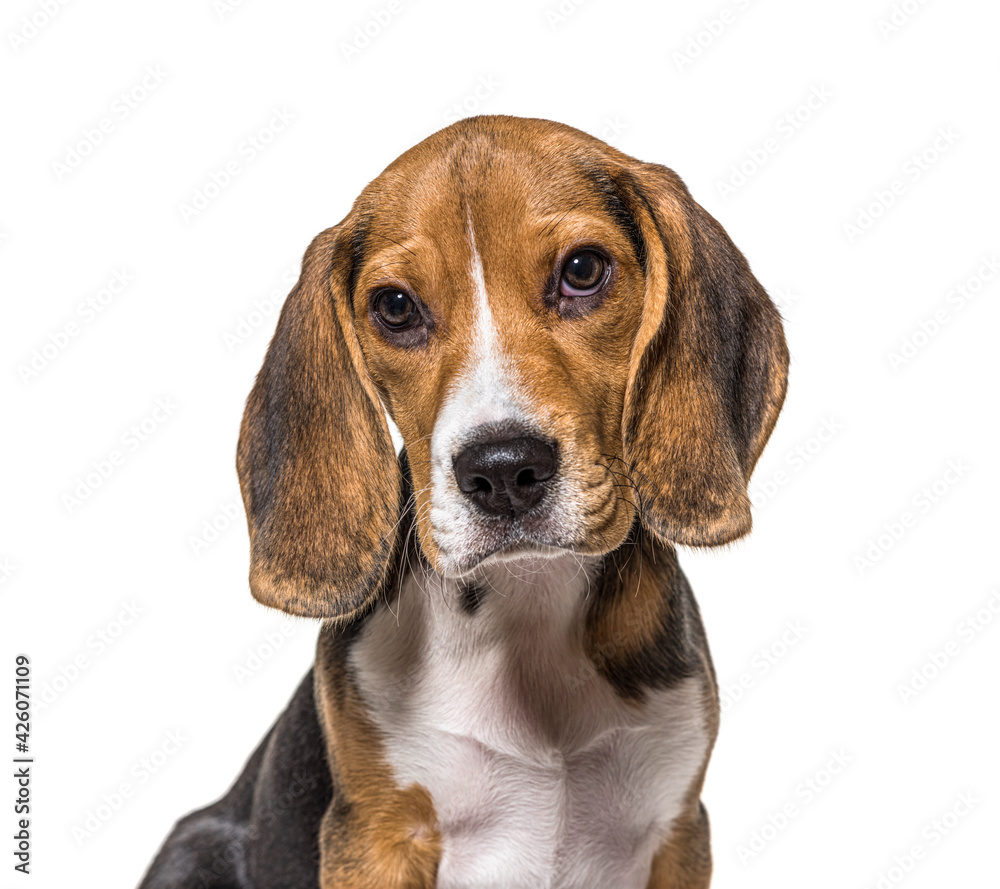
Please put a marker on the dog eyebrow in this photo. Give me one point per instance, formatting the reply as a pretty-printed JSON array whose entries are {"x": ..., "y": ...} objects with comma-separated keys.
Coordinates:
[
  {"x": 616, "y": 201},
  {"x": 358, "y": 242}
]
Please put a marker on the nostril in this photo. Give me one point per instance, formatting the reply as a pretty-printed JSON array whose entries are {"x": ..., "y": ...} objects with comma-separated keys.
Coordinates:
[
  {"x": 481, "y": 484},
  {"x": 526, "y": 478}
]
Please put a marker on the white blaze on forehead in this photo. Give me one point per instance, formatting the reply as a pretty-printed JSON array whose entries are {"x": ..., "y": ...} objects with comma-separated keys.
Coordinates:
[
  {"x": 485, "y": 389},
  {"x": 486, "y": 341}
]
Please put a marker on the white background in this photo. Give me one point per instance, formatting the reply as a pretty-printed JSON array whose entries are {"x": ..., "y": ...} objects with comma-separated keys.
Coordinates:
[{"x": 662, "y": 87}]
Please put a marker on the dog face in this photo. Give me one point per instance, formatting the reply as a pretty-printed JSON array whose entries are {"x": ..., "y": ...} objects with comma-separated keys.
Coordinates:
[
  {"x": 563, "y": 337},
  {"x": 496, "y": 305}
]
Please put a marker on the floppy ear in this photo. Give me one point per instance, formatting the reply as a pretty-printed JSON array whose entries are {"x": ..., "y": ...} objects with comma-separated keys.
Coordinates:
[
  {"x": 708, "y": 371},
  {"x": 318, "y": 471}
]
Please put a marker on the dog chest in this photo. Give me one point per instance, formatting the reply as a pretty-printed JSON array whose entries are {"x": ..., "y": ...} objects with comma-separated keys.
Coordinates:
[{"x": 540, "y": 774}]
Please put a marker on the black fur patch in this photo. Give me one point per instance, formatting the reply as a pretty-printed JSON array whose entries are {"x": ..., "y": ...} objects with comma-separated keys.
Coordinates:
[
  {"x": 470, "y": 597},
  {"x": 358, "y": 243},
  {"x": 618, "y": 203},
  {"x": 678, "y": 648}
]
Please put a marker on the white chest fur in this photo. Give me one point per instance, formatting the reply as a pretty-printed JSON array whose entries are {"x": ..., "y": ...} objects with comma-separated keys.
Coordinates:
[{"x": 541, "y": 775}]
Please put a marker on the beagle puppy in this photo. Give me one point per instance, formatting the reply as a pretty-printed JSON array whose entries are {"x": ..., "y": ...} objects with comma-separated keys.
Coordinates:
[{"x": 512, "y": 686}]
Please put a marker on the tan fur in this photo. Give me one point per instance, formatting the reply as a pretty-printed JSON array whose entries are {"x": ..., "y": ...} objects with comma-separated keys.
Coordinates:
[{"x": 685, "y": 861}]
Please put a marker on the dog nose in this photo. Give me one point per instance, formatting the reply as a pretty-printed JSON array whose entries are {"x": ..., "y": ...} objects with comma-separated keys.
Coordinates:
[{"x": 506, "y": 478}]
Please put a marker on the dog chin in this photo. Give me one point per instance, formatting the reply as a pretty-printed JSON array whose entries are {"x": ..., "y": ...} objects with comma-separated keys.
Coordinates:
[{"x": 523, "y": 554}]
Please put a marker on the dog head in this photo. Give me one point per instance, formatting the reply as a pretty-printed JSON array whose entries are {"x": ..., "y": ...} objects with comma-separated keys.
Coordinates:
[{"x": 564, "y": 339}]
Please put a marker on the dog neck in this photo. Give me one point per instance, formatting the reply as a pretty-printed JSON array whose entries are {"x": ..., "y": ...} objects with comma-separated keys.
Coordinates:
[
  {"x": 533, "y": 593},
  {"x": 499, "y": 656}
]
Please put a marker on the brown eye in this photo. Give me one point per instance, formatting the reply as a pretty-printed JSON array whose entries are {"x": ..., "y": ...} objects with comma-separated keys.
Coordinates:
[
  {"x": 583, "y": 274},
  {"x": 586, "y": 277},
  {"x": 395, "y": 309}
]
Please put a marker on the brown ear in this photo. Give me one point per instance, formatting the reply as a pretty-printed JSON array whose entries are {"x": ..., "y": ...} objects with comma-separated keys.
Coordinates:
[
  {"x": 708, "y": 371},
  {"x": 318, "y": 471}
]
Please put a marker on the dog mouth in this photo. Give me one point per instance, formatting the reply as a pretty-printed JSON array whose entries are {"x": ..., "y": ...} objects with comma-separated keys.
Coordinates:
[
  {"x": 501, "y": 541},
  {"x": 525, "y": 551}
]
